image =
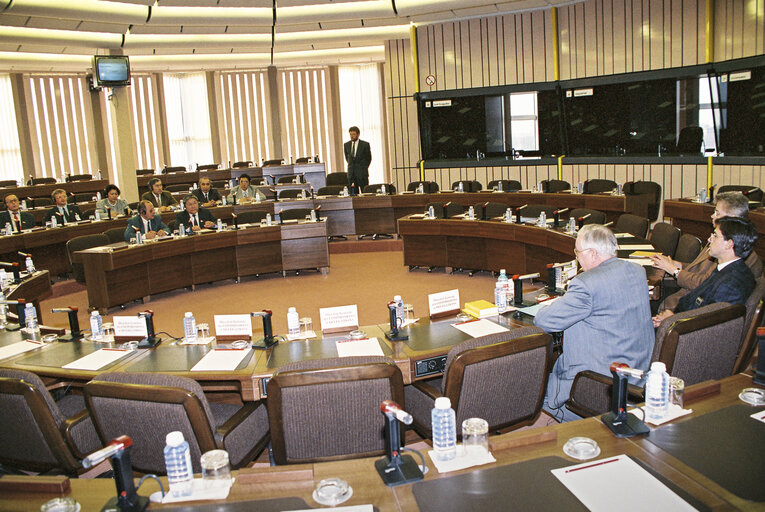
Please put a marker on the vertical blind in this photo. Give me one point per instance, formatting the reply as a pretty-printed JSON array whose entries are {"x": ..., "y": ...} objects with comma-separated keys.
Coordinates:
[
  {"x": 244, "y": 111},
  {"x": 10, "y": 151},
  {"x": 188, "y": 119},
  {"x": 148, "y": 143}
]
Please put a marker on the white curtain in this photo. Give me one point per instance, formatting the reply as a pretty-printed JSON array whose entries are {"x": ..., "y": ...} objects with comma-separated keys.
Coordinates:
[
  {"x": 10, "y": 151},
  {"x": 188, "y": 119},
  {"x": 361, "y": 105}
]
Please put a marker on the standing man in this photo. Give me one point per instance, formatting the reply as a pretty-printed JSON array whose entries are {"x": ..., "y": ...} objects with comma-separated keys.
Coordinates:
[
  {"x": 194, "y": 217},
  {"x": 359, "y": 156},
  {"x": 14, "y": 216},
  {"x": 206, "y": 194},
  {"x": 145, "y": 222},
  {"x": 161, "y": 199},
  {"x": 63, "y": 212},
  {"x": 604, "y": 316}
]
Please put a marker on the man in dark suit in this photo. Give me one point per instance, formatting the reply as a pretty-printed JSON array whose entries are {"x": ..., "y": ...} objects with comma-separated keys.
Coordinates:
[
  {"x": 161, "y": 199},
  {"x": 206, "y": 194},
  {"x": 62, "y": 212},
  {"x": 145, "y": 222},
  {"x": 731, "y": 281},
  {"x": 359, "y": 156},
  {"x": 14, "y": 216},
  {"x": 194, "y": 217}
]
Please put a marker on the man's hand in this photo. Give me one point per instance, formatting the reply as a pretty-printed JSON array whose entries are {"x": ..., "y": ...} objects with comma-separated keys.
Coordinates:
[
  {"x": 658, "y": 319},
  {"x": 150, "y": 234},
  {"x": 665, "y": 263},
  {"x": 209, "y": 224}
]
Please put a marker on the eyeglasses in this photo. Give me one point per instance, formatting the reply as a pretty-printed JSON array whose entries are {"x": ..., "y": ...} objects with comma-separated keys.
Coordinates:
[{"x": 578, "y": 252}]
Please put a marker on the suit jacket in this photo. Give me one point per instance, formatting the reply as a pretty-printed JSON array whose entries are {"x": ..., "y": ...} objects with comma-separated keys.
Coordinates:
[
  {"x": 732, "y": 284},
  {"x": 118, "y": 209},
  {"x": 358, "y": 166},
  {"x": 252, "y": 191},
  {"x": 696, "y": 272},
  {"x": 203, "y": 214},
  {"x": 605, "y": 317},
  {"x": 26, "y": 218},
  {"x": 155, "y": 224},
  {"x": 166, "y": 199},
  {"x": 213, "y": 195},
  {"x": 73, "y": 210}
]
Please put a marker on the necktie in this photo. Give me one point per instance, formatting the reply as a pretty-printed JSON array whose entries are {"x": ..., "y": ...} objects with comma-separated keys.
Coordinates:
[
  {"x": 206, "y": 198},
  {"x": 16, "y": 223},
  {"x": 158, "y": 198},
  {"x": 353, "y": 153},
  {"x": 194, "y": 220}
]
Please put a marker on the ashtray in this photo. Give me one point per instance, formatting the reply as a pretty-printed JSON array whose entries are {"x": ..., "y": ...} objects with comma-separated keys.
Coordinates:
[
  {"x": 129, "y": 345},
  {"x": 753, "y": 396},
  {"x": 332, "y": 491},
  {"x": 582, "y": 448},
  {"x": 49, "y": 338},
  {"x": 240, "y": 344},
  {"x": 463, "y": 317},
  {"x": 358, "y": 334},
  {"x": 60, "y": 505}
]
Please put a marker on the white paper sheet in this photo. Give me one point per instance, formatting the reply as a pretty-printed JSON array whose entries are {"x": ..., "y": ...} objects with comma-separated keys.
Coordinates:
[
  {"x": 478, "y": 328},
  {"x": 363, "y": 347},
  {"x": 602, "y": 483},
  {"x": 637, "y": 247},
  {"x": 674, "y": 412},
  {"x": 463, "y": 460},
  {"x": 643, "y": 262},
  {"x": 624, "y": 235},
  {"x": 221, "y": 360},
  {"x": 15, "y": 349},
  {"x": 97, "y": 360},
  {"x": 533, "y": 310}
]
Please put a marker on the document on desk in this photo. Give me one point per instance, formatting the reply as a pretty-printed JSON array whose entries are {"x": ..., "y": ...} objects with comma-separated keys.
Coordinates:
[
  {"x": 637, "y": 247},
  {"x": 478, "y": 328},
  {"x": 97, "y": 360},
  {"x": 363, "y": 347},
  {"x": 15, "y": 349},
  {"x": 533, "y": 310},
  {"x": 643, "y": 262},
  {"x": 601, "y": 484},
  {"x": 218, "y": 360}
]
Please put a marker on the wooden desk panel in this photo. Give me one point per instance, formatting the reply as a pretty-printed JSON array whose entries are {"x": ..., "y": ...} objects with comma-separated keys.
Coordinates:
[
  {"x": 75, "y": 187},
  {"x": 374, "y": 214}
]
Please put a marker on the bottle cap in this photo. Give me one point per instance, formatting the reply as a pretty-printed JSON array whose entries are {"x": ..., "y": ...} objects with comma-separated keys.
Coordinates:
[
  {"x": 397, "y": 297},
  {"x": 174, "y": 438},
  {"x": 292, "y": 310},
  {"x": 502, "y": 271},
  {"x": 188, "y": 314},
  {"x": 443, "y": 402},
  {"x": 658, "y": 366},
  {"x": 95, "y": 313}
]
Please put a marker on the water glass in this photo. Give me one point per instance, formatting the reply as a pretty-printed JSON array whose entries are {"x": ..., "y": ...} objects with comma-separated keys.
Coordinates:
[
  {"x": 216, "y": 470},
  {"x": 306, "y": 326},
  {"x": 204, "y": 330},
  {"x": 408, "y": 312},
  {"x": 676, "y": 391},
  {"x": 475, "y": 436}
]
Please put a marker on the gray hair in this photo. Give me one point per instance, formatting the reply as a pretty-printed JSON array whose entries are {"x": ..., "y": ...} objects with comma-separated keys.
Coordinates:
[
  {"x": 736, "y": 204},
  {"x": 599, "y": 238}
]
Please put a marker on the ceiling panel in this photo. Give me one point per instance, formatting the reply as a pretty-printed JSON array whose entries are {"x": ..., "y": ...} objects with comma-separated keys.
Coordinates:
[
  {"x": 59, "y": 24},
  {"x": 13, "y": 20},
  {"x": 155, "y": 29},
  {"x": 238, "y": 29},
  {"x": 191, "y": 29},
  {"x": 111, "y": 28}
]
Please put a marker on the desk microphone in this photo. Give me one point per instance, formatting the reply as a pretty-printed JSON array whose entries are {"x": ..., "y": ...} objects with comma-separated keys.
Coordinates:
[
  {"x": 618, "y": 420},
  {"x": 20, "y": 314},
  {"x": 394, "y": 468},
  {"x": 236, "y": 224},
  {"x": 485, "y": 216},
  {"x": 518, "y": 290},
  {"x": 580, "y": 220},
  {"x": 556, "y": 216},
  {"x": 608, "y": 224},
  {"x": 389, "y": 406},
  {"x": 118, "y": 453},
  {"x": 74, "y": 323},
  {"x": 268, "y": 332},
  {"x": 394, "y": 334},
  {"x": 150, "y": 340},
  {"x": 518, "y": 213}
]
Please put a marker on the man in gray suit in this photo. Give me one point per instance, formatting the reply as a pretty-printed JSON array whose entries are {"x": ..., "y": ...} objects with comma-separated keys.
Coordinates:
[{"x": 604, "y": 316}]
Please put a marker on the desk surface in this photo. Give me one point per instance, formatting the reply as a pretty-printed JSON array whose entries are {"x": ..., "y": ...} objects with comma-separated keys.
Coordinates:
[{"x": 509, "y": 449}]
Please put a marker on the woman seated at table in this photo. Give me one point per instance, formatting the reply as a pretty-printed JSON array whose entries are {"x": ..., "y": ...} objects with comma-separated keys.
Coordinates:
[
  {"x": 244, "y": 193},
  {"x": 112, "y": 203}
]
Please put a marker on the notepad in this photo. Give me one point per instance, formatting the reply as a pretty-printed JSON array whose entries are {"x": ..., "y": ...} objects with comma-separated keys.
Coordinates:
[
  {"x": 15, "y": 349},
  {"x": 644, "y": 254},
  {"x": 362, "y": 347},
  {"x": 478, "y": 328},
  {"x": 221, "y": 360},
  {"x": 97, "y": 360},
  {"x": 637, "y": 247}
]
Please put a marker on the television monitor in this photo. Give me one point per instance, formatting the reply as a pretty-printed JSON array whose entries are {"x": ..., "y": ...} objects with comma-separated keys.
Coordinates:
[{"x": 111, "y": 70}]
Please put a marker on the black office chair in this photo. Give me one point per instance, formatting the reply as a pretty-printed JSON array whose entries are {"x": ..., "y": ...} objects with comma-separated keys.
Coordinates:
[
  {"x": 250, "y": 217},
  {"x": 651, "y": 189},
  {"x": 452, "y": 209},
  {"x": 665, "y": 237},
  {"x": 554, "y": 186},
  {"x": 632, "y": 224},
  {"x": 491, "y": 210},
  {"x": 42, "y": 181},
  {"x": 172, "y": 169},
  {"x": 8, "y": 183},
  {"x": 144, "y": 172},
  {"x": 178, "y": 187},
  {"x": 596, "y": 186},
  {"x": 595, "y": 216},
  {"x": 533, "y": 211},
  {"x": 80, "y": 243},
  {"x": 207, "y": 167},
  {"x": 294, "y": 214},
  {"x": 438, "y": 209},
  {"x": 78, "y": 177},
  {"x": 330, "y": 190},
  {"x": 273, "y": 162},
  {"x": 83, "y": 197},
  {"x": 337, "y": 178},
  {"x": 428, "y": 187},
  {"x": 690, "y": 140},
  {"x": 242, "y": 164},
  {"x": 291, "y": 193},
  {"x": 505, "y": 185},
  {"x": 467, "y": 185},
  {"x": 377, "y": 189},
  {"x": 115, "y": 235},
  {"x": 688, "y": 248},
  {"x": 292, "y": 178}
]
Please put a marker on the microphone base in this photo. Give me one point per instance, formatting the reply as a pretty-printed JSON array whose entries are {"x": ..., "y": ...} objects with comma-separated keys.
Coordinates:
[
  {"x": 149, "y": 342},
  {"x": 13, "y": 327},
  {"x": 399, "y": 471},
  {"x": 265, "y": 343},
  {"x": 140, "y": 505},
  {"x": 396, "y": 336},
  {"x": 631, "y": 426},
  {"x": 70, "y": 337}
]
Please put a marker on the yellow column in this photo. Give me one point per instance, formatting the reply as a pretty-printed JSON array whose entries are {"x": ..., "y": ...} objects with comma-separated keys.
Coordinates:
[
  {"x": 560, "y": 167},
  {"x": 415, "y": 56},
  {"x": 556, "y": 54},
  {"x": 709, "y": 54}
]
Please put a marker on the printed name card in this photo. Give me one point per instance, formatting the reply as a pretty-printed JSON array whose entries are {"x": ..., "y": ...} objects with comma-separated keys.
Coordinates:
[
  {"x": 339, "y": 319},
  {"x": 130, "y": 327},
  {"x": 444, "y": 303},
  {"x": 233, "y": 327}
]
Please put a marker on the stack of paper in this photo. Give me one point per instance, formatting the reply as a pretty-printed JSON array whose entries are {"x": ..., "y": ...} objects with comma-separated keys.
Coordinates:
[{"x": 480, "y": 308}]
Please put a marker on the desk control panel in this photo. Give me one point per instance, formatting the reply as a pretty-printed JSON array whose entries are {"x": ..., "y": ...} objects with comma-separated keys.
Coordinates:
[
  {"x": 264, "y": 386},
  {"x": 430, "y": 366}
]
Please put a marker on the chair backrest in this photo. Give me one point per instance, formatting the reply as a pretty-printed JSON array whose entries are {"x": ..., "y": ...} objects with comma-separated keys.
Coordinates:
[
  {"x": 41, "y": 181},
  {"x": 491, "y": 210},
  {"x": 115, "y": 235},
  {"x": 175, "y": 168},
  {"x": 755, "y": 312},
  {"x": 653, "y": 190},
  {"x": 290, "y": 193},
  {"x": 79, "y": 177},
  {"x": 633, "y": 224},
  {"x": 506, "y": 185},
  {"x": 294, "y": 213},
  {"x": 701, "y": 344},
  {"x": 467, "y": 185},
  {"x": 242, "y": 164},
  {"x": 143, "y": 172},
  {"x": 595, "y": 216},
  {"x": 451, "y": 209},
  {"x": 207, "y": 167},
  {"x": 86, "y": 214},
  {"x": 438, "y": 209},
  {"x": 251, "y": 216},
  {"x": 30, "y": 438},
  {"x": 329, "y": 409},
  {"x": 78, "y": 244},
  {"x": 83, "y": 197},
  {"x": 688, "y": 247},
  {"x": 177, "y": 187},
  {"x": 302, "y": 160},
  {"x": 146, "y": 406},
  {"x": 429, "y": 187},
  {"x": 533, "y": 210},
  {"x": 337, "y": 178},
  {"x": 273, "y": 162},
  {"x": 594, "y": 186},
  {"x": 330, "y": 190},
  {"x": 41, "y": 201},
  {"x": 375, "y": 189},
  {"x": 689, "y": 140},
  {"x": 171, "y": 225},
  {"x": 553, "y": 186},
  {"x": 289, "y": 179},
  {"x": 665, "y": 238},
  {"x": 8, "y": 183},
  {"x": 500, "y": 378},
  {"x": 752, "y": 192}
]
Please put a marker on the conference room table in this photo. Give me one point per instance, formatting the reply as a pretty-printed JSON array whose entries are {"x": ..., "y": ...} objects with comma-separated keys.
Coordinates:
[
  {"x": 520, "y": 479},
  {"x": 74, "y": 187},
  {"x": 695, "y": 218}
]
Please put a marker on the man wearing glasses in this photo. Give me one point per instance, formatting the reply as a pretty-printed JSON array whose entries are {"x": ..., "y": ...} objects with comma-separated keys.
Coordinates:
[{"x": 604, "y": 315}]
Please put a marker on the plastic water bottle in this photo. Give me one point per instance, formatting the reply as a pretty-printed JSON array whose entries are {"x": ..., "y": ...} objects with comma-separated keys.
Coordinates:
[
  {"x": 96, "y": 325},
  {"x": 3, "y": 280},
  {"x": 189, "y": 327},
  {"x": 30, "y": 319},
  {"x": 3, "y": 311},
  {"x": 180, "y": 475},
  {"x": 30, "y": 265},
  {"x": 506, "y": 290},
  {"x": 460, "y": 187},
  {"x": 444, "y": 429},
  {"x": 431, "y": 212},
  {"x": 543, "y": 220},
  {"x": 219, "y": 226},
  {"x": 97, "y": 214},
  {"x": 399, "y": 310},
  {"x": 293, "y": 322},
  {"x": 656, "y": 392},
  {"x": 8, "y": 229},
  {"x": 181, "y": 230},
  {"x": 500, "y": 299},
  {"x": 471, "y": 213},
  {"x": 53, "y": 222}
]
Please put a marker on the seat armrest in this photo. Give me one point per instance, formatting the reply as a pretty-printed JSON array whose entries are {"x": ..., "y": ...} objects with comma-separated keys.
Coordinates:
[
  {"x": 427, "y": 388},
  {"x": 234, "y": 421},
  {"x": 591, "y": 394},
  {"x": 245, "y": 434},
  {"x": 68, "y": 426}
]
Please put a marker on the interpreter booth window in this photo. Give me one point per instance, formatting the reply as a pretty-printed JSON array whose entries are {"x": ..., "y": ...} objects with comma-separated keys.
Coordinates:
[
  {"x": 361, "y": 105},
  {"x": 10, "y": 151},
  {"x": 188, "y": 120},
  {"x": 524, "y": 132}
]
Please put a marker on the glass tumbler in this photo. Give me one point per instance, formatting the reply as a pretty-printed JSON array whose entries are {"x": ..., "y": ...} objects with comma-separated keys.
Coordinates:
[
  {"x": 475, "y": 436},
  {"x": 216, "y": 470}
]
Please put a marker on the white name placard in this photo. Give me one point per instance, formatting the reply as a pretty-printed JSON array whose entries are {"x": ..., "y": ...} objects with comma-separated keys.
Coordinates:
[
  {"x": 339, "y": 317},
  {"x": 444, "y": 301},
  {"x": 233, "y": 325},
  {"x": 132, "y": 326}
]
